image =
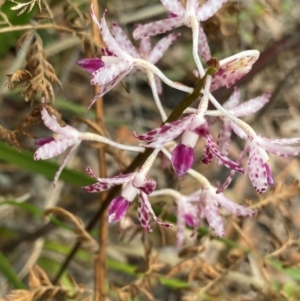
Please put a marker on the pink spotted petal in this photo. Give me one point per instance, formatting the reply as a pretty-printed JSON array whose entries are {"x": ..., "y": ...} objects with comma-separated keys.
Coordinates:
[
  {"x": 277, "y": 149},
  {"x": 182, "y": 159},
  {"x": 213, "y": 217},
  {"x": 109, "y": 73},
  {"x": 233, "y": 69},
  {"x": 256, "y": 169},
  {"x": 251, "y": 106},
  {"x": 148, "y": 187},
  {"x": 233, "y": 100},
  {"x": 157, "y": 27},
  {"x": 89, "y": 171},
  {"x": 107, "y": 52},
  {"x": 158, "y": 84},
  {"x": 192, "y": 7},
  {"x": 107, "y": 87},
  {"x": 106, "y": 183},
  {"x": 269, "y": 175},
  {"x": 226, "y": 161},
  {"x": 123, "y": 40},
  {"x": 283, "y": 141},
  {"x": 232, "y": 172},
  {"x": 233, "y": 207},
  {"x": 174, "y": 6},
  {"x": 161, "y": 47},
  {"x": 203, "y": 131},
  {"x": 143, "y": 214},
  {"x": 90, "y": 65},
  {"x": 224, "y": 137},
  {"x": 180, "y": 223},
  {"x": 145, "y": 48},
  {"x": 186, "y": 215},
  {"x": 53, "y": 149},
  {"x": 52, "y": 124},
  {"x": 208, "y": 155},
  {"x": 117, "y": 209},
  {"x": 209, "y": 8},
  {"x": 203, "y": 47},
  {"x": 144, "y": 210},
  {"x": 110, "y": 42},
  {"x": 43, "y": 141},
  {"x": 165, "y": 133}
]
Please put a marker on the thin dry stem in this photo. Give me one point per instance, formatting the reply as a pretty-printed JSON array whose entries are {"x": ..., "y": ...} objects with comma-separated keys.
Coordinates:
[{"x": 83, "y": 236}]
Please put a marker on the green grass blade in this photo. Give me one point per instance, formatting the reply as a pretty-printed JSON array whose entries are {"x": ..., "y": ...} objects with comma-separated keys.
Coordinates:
[
  {"x": 47, "y": 168},
  {"x": 7, "y": 270}
]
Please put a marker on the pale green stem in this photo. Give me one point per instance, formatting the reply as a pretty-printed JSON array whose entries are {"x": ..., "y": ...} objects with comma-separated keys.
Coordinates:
[
  {"x": 149, "y": 162},
  {"x": 98, "y": 138},
  {"x": 203, "y": 105},
  {"x": 152, "y": 83},
  {"x": 243, "y": 125},
  {"x": 195, "y": 30},
  {"x": 148, "y": 66},
  {"x": 167, "y": 191}
]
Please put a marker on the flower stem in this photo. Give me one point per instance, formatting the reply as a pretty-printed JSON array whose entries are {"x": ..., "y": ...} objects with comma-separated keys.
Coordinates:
[
  {"x": 195, "y": 31},
  {"x": 95, "y": 137},
  {"x": 152, "y": 83},
  {"x": 148, "y": 66}
]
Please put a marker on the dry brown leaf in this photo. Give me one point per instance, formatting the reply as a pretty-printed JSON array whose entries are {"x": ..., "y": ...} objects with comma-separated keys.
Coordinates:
[
  {"x": 20, "y": 295},
  {"x": 10, "y": 137},
  {"x": 41, "y": 275},
  {"x": 34, "y": 280},
  {"x": 38, "y": 74}
]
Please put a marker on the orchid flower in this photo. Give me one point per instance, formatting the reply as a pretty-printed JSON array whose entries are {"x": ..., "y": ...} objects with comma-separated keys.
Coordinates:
[
  {"x": 203, "y": 203},
  {"x": 135, "y": 184},
  {"x": 192, "y": 126},
  {"x": 183, "y": 155},
  {"x": 189, "y": 16},
  {"x": 65, "y": 137},
  {"x": 186, "y": 213},
  {"x": 121, "y": 58},
  {"x": 257, "y": 146},
  {"x": 209, "y": 203},
  {"x": 232, "y": 69},
  {"x": 244, "y": 109},
  {"x": 258, "y": 169}
]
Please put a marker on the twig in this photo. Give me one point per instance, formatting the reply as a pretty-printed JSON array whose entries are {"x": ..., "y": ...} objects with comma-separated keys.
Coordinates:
[{"x": 100, "y": 262}]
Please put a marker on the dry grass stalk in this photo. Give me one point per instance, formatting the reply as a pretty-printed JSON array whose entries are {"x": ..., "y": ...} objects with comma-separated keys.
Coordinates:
[
  {"x": 38, "y": 74},
  {"x": 40, "y": 287},
  {"x": 83, "y": 236},
  {"x": 10, "y": 137},
  {"x": 281, "y": 192},
  {"x": 80, "y": 22},
  {"x": 144, "y": 285},
  {"x": 22, "y": 7}
]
